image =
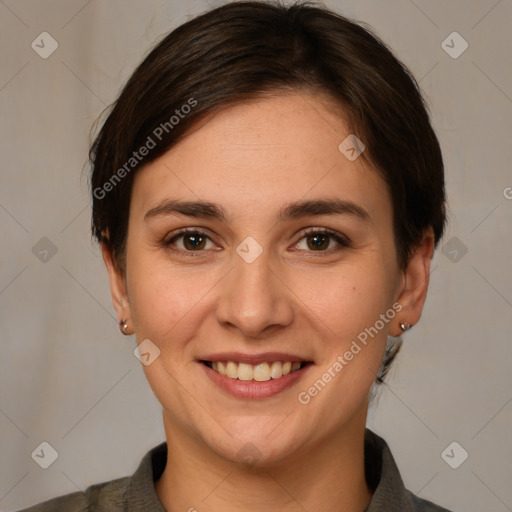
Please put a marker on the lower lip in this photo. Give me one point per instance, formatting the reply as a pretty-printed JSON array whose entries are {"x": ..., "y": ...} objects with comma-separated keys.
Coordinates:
[{"x": 253, "y": 388}]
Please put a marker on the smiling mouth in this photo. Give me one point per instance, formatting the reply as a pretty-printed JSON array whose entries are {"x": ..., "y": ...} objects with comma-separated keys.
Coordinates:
[{"x": 260, "y": 372}]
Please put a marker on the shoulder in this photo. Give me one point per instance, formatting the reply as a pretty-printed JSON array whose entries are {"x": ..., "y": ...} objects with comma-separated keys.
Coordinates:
[
  {"x": 107, "y": 496},
  {"x": 136, "y": 492}
]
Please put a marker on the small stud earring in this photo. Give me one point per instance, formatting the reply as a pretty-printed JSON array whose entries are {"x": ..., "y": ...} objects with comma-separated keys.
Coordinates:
[
  {"x": 405, "y": 326},
  {"x": 123, "y": 326}
]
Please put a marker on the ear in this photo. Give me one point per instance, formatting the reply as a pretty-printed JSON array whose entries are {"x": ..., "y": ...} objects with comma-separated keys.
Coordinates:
[
  {"x": 413, "y": 291},
  {"x": 117, "y": 284}
]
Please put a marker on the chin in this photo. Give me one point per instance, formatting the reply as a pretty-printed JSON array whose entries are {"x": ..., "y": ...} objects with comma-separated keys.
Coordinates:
[{"x": 263, "y": 443}]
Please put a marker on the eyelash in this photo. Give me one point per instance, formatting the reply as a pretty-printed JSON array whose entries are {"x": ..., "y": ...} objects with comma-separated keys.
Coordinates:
[{"x": 341, "y": 239}]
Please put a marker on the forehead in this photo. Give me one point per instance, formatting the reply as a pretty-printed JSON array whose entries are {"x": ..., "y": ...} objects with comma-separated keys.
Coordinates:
[{"x": 264, "y": 152}]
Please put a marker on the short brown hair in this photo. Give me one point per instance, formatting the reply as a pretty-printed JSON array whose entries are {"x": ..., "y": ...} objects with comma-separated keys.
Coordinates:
[{"x": 243, "y": 50}]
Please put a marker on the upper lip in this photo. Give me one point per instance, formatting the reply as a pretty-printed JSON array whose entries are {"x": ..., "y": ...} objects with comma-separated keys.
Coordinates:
[{"x": 253, "y": 359}]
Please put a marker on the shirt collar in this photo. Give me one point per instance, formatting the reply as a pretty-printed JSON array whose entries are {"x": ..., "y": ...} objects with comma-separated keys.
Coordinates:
[
  {"x": 381, "y": 474},
  {"x": 383, "y": 477}
]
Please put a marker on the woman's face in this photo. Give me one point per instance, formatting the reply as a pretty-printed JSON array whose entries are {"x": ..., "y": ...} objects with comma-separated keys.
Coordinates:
[{"x": 249, "y": 284}]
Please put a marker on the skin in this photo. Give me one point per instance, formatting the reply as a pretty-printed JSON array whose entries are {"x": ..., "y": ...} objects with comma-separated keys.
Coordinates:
[{"x": 252, "y": 159}]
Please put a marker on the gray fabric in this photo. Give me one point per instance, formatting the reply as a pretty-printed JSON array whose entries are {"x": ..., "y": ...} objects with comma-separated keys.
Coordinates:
[
  {"x": 137, "y": 492},
  {"x": 383, "y": 477}
]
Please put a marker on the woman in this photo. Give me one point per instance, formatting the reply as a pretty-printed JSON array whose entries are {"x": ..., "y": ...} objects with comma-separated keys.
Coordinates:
[{"x": 268, "y": 193}]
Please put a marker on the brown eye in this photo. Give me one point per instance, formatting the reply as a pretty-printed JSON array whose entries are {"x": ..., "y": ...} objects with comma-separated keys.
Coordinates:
[
  {"x": 319, "y": 240},
  {"x": 194, "y": 242},
  {"x": 191, "y": 241}
]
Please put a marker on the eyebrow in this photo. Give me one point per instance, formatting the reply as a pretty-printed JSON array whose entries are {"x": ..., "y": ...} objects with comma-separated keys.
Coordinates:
[{"x": 295, "y": 210}]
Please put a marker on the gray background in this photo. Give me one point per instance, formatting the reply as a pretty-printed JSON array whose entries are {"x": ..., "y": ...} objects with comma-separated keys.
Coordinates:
[{"x": 68, "y": 377}]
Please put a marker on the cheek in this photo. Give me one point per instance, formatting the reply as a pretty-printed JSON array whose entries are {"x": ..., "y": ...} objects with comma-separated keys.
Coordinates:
[
  {"x": 351, "y": 347},
  {"x": 164, "y": 310},
  {"x": 163, "y": 299},
  {"x": 347, "y": 299},
  {"x": 354, "y": 307},
  {"x": 167, "y": 308}
]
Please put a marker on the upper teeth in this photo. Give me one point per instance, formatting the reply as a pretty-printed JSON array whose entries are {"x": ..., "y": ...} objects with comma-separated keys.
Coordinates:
[{"x": 259, "y": 372}]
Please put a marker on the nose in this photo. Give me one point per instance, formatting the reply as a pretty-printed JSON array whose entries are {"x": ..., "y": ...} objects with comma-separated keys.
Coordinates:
[{"x": 254, "y": 300}]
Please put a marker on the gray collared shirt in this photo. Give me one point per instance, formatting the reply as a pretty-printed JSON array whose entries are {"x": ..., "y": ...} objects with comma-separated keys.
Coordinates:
[{"x": 137, "y": 493}]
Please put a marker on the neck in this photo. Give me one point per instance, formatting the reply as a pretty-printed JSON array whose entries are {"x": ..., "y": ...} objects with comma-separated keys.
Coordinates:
[{"x": 329, "y": 476}]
